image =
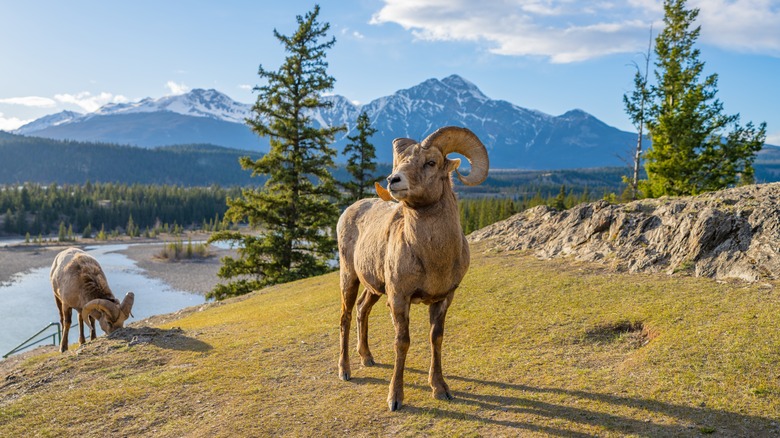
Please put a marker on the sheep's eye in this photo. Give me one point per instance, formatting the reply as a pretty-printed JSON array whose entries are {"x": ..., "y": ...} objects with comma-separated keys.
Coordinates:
[{"x": 430, "y": 163}]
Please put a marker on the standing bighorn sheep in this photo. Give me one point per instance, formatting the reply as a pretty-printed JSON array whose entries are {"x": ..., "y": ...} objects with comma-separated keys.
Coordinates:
[
  {"x": 414, "y": 250},
  {"x": 79, "y": 283}
]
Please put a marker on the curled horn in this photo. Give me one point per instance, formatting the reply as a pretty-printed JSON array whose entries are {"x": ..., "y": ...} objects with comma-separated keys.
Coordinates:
[
  {"x": 462, "y": 141},
  {"x": 399, "y": 146},
  {"x": 109, "y": 308},
  {"x": 127, "y": 305}
]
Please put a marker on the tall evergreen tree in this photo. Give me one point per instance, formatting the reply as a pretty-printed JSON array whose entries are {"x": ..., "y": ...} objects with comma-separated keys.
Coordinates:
[
  {"x": 690, "y": 152},
  {"x": 295, "y": 210},
  {"x": 360, "y": 162}
]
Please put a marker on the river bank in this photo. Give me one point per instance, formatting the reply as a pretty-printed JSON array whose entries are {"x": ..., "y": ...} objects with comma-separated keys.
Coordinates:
[{"x": 195, "y": 276}]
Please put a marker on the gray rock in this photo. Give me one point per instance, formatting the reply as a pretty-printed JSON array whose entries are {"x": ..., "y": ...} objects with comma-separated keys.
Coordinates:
[{"x": 733, "y": 233}]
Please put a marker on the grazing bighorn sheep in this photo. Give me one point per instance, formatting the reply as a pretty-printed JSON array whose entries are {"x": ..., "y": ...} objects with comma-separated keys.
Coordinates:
[
  {"x": 79, "y": 283},
  {"x": 414, "y": 250}
]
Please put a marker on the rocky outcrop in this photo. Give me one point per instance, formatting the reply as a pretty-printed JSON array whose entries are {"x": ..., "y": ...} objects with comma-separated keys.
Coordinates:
[{"x": 732, "y": 233}]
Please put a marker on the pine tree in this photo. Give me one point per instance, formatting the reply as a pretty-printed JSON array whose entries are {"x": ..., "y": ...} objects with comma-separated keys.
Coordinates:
[
  {"x": 559, "y": 202},
  {"x": 690, "y": 153},
  {"x": 295, "y": 210},
  {"x": 62, "y": 235},
  {"x": 131, "y": 229},
  {"x": 360, "y": 162}
]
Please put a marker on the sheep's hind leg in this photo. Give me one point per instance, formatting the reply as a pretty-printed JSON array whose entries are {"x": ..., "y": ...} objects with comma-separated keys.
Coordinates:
[
  {"x": 64, "y": 331},
  {"x": 365, "y": 303},
  {"x": 437, "y": 313},
  {"x": 349, "y": 290},
  {"x": 65, "y": 320}
]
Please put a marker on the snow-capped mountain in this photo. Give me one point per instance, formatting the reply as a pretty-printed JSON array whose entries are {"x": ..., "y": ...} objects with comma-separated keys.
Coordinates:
[
  {"x": 48, "y": 121},
  {"x": 516, "y": 137},
  {"x": 197, "y": 103}
]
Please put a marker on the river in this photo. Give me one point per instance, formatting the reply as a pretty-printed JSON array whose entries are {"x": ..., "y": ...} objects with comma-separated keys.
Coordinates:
[{"x": 27, "y": 304}]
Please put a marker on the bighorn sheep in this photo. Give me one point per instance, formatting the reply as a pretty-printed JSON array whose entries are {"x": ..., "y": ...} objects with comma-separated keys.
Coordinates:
[
  {"x": 79, "y": 283},
  {"x": 414, "y": 250}
]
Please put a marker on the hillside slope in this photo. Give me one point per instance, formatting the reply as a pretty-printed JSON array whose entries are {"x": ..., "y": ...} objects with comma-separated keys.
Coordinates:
[
  {"x": 532, "y": 347},
  {"x": 46, "y": 161}
]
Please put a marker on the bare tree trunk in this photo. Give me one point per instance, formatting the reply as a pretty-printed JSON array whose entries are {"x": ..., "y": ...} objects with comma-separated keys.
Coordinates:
[{"x": 638, "y": 153}]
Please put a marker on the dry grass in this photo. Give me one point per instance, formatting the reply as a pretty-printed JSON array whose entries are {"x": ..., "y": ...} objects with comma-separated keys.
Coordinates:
[{"x": 531, "y": 348}]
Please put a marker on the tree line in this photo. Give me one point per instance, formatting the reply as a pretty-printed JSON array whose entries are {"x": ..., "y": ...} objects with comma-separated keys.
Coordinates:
[
  {"x": 42, "y": 210},
  {"x": 476, "y": 213}
]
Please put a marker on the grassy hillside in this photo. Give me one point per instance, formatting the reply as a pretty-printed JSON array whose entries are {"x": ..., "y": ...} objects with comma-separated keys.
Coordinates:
[{"x": 531, "y": 347}]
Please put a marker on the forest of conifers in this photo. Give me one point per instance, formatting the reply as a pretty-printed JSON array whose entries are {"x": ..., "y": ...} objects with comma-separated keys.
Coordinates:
[{"x": 40, "y": 210}]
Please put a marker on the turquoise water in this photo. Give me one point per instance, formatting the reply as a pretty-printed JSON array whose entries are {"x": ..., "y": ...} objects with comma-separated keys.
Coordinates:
[{"x": 27, "y": 303}]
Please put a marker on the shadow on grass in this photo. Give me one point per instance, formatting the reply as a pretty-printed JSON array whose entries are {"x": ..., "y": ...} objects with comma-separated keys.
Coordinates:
[
  {"x": 649, "y": 418},
  {"x": 170, "y": 339}
]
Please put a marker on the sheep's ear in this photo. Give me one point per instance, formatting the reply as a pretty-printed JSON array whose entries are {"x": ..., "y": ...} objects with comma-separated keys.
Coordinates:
[
  {"x": 453, "y": 164},
  {"x": 383, "y": 193}
]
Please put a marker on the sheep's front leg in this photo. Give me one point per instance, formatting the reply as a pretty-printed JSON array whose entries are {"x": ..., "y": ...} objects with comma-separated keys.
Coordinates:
[
  {"x": 438, "y": 312},
  {"x": 349, "y": 290},
  {"x": 365, "y": 303},
  {"x": 82, "y": 340},
  {"x": 400, "y": 312},
  {"x": 91, "y": 323}
]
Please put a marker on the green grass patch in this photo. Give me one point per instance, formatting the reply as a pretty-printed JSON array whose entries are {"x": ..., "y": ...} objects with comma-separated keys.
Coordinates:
[{"x": 531, "y": 348}]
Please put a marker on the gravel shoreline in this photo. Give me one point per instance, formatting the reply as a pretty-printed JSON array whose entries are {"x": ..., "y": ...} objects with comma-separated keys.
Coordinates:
[{"x": 194, "y": 276}]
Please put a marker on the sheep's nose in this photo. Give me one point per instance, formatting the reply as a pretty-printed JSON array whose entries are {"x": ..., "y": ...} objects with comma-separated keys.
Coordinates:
[{"x": 392, "y": 179}]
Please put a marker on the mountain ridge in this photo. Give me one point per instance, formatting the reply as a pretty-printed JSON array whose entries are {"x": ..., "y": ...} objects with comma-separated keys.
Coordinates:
[{"x": 516, "y": 137}]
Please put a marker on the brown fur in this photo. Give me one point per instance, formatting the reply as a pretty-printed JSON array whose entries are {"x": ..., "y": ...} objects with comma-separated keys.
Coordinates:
[
  {"x": 77, "y": 279},
  {"x": 413, "y": 251},
  {"x": 93, "y": 280}
]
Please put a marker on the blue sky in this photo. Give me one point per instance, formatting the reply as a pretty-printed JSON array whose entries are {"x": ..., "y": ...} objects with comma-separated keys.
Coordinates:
[{"x": 547, "y": 55}]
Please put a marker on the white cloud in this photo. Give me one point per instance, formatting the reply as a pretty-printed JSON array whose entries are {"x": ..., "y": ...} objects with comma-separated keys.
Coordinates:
[
  {"x": 773, "y": 139},
  {"x": 576, "y": 30},
  {"x": 33, "y": 101},
  {"x": 89, "y": 102},
  {"x": 741, "y": 25},
  {"x": 246, "y": 87},
  {"x": 352, "y": 33},
  {"x": 175, "y": 88},
  {"x": 9, "y": 124}
]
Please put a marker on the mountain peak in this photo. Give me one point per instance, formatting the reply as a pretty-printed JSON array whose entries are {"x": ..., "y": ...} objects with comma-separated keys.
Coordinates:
[
  {"x": 198, "y": 102},
  {"x": 59, "y": 118},
  {"x": 458, "y": 82}
]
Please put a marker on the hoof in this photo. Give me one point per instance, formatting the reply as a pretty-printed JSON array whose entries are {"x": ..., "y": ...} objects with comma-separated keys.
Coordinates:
[
  {"x": 441, "y": 391},
  {"x": 344, "y": 375},
  {"x": 368, "y": 361},
  {"x": 394, "y": 405},
  {"x": 442, "y": 395}
]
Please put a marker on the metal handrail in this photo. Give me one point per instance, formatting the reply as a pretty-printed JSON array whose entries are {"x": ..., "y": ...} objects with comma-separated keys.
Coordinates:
[{"x": 56, "y": 337}]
